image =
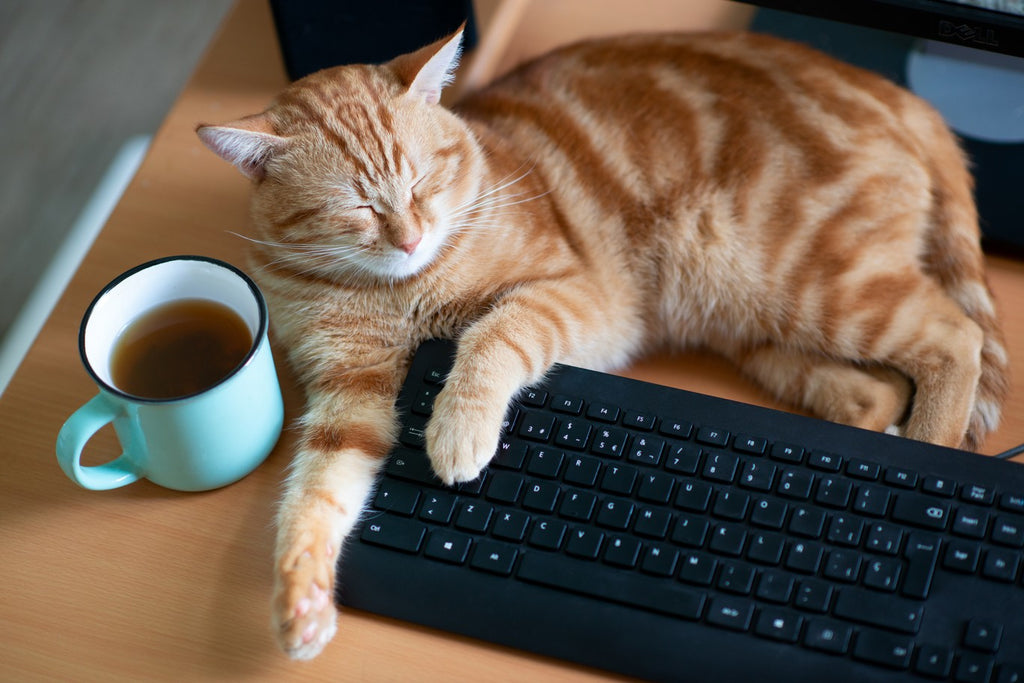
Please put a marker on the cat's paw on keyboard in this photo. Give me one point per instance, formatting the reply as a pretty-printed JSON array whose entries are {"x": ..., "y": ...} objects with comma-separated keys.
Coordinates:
[{"x": 462, "y": 437}]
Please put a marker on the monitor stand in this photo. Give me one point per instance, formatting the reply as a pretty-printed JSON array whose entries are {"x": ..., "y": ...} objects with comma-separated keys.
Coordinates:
[{"x": 950, "y": 77}]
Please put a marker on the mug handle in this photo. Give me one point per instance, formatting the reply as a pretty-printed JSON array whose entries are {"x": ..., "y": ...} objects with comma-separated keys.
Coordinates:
[{"x": 71, "y": 440}]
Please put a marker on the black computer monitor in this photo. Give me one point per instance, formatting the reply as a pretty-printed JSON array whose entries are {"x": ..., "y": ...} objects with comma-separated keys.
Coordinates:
[{"x": 965, "y": 56}]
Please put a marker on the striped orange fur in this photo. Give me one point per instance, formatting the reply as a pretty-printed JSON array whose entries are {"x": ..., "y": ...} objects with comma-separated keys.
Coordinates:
[{"x": 810, "y": 221}]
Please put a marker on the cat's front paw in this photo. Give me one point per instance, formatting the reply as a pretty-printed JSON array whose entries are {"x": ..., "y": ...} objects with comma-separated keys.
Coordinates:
[
  {"x": 304, "y": 616},
  {"x": 461, "y": 438}
]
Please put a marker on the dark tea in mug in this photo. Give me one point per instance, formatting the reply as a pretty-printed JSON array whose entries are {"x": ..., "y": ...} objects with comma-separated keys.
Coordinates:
[{"x": 178, "y": 349}]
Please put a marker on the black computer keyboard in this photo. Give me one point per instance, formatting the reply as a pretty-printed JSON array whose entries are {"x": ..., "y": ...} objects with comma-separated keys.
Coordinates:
[{"x": 674, "y": 536}]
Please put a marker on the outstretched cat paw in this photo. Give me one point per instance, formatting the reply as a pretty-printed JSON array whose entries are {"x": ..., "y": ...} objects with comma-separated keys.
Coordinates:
[{"x": 304, "y": 616}]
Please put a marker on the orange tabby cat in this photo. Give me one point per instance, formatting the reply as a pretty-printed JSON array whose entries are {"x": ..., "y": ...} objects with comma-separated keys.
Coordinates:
[{"x": 808, "y": 220}]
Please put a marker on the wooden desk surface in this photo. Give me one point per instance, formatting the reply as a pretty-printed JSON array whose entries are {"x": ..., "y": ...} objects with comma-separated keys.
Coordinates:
[{"x": 148, "y": 584}]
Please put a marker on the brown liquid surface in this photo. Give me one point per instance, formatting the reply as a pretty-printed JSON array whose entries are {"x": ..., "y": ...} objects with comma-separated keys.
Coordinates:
[{"x": 178, "y": 349}]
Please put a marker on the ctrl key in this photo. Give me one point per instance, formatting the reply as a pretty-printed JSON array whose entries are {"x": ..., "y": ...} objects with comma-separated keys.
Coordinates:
[{"x": 395, "y": 533}]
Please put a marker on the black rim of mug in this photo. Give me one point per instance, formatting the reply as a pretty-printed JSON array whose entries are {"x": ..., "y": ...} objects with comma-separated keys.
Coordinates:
[{"x": 257, "y": 338}]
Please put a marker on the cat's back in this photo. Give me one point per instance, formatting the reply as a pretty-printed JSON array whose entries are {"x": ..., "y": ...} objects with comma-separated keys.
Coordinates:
[{"x": 731, "y": 98}]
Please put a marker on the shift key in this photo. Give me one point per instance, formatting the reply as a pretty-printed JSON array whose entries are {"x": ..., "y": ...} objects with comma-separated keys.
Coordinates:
[{"x": 879, "y": 609}]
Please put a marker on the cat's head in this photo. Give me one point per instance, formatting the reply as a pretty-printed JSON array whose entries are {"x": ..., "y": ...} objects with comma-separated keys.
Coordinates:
[{"x": 357, "y": 170}]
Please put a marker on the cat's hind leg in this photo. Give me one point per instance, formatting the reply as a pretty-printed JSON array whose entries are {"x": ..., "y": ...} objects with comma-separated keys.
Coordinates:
[{"x": 869, "y": 396}]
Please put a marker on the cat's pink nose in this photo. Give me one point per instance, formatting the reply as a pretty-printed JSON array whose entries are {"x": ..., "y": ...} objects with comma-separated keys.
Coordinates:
[{"x": 410, "y": 246}]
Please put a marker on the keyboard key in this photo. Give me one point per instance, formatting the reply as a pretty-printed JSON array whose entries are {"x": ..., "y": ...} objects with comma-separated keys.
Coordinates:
[
  {"x": 961, "y": 556},
  {"x": 813, "y": 595},
  {"x": 534, "y": 398},
  {"x": 775, "y": 587},
  {"x": 939, "y": 486},
  {"x": 678, "y": 429},
  {"x": 711, "y": 436},
  {"x": 922, "y": 511},
  {"x": 548, "y": 534},
  {"x": 759, "y": 476},
  {"x": 736, "y": 578},
  {"x": 578, "y": 505},
  {"x": 584, "y": 543},
  {"x": 807, "y": 522},
  {"x": 935, "y": 661},
  {"x": 473, "y": 516},
  {"x": 536, "y": 426},
  {"x": 652, "y": 523},
  {"x": 683, "y": 459},
  {"x": 622, "y": 551},
  {"x": 728, "y": 539},
  {"x": 977, "y": 494},
  {"x": 769, "y": 513},
  {"x": 884, "y": 538},
  {"x": 412, "y": 466},
  {"x": 787, "y": 453},
  {"x": 541, "y": 496},
  {"x": 609, "y": 442},
  {"x": 862, "y": 469},
  {"x": 1001, "y": 565},
  {"x": 606, "y": 583},
  {"x": 510, "y": 456},
  {"x": 973, "y": 668},
  {"x": 504, "y": 487},
  {"x": 494, "y": 557},
  {"x": 843, "y": 565},
  {"x": 647, "y": 450},
  {"x": 603, "y": 412},
  {"x": 897, "y": 476},
  {"x": 766, "y": 548},
  {"x": 982, "y": 635},
  {"x": 638, "y": 420},
  {"x": 872, "y": 500},
  {"x": 572, "y": 434},
  {"x": 922, "y": 553},
  {"x": 833, "y": 492},
  {"x": 447, "y": 546},
  {"x": 721, "y": 467},
  {"x": 828, "y": 636},
  {"x": 878, "y": 609},
  {"x": 510, "y": 525},
  {"x": 732, "y": 613},
  {"x": 804, "y": 557},
  {"x": 796, "y": 484},
  {"x": 883, "y": 648},
  {"x": 615, "y": 514},
  {"x": 397, "y": 496},
  {"x": 698, "y": 569},
  {"x": 751, "y": 445},
  {"x": 731, "y": 505},
  {"x": 778, "y": 624},
  {"x": 660, "y": 560},
  {"x": 395, "y": 533},
  {"x": 619, "y": 479},
  {"x": 846, "y": 530},
  {"x": 1009, "y": 532},
  {"x": 545, "y": 462},
  {"x": 572, "y": 405},
  {"x": 970, "y": 523},
  {"x": 690, "y": 530},
  {"x": 694, "y": 496},
  {"x": 437, "y": 507},
  {"x": 882, "y": 574},
  {"x": 582, "y": 470},
  {"x": 656, "y": 487},
  {"x": 828, "y": 462}
]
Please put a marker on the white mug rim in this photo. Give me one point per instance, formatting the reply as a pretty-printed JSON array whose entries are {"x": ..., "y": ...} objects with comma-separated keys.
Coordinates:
[{"x": 258, "y": 336}]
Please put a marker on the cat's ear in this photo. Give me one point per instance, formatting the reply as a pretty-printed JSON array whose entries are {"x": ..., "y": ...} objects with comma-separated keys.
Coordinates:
[
  {"x": 428, "y": 70},
  {"x": 247, "y": 143}
]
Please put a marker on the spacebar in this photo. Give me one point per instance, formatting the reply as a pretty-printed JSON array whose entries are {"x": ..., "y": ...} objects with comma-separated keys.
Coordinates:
[{"x": 597, "y": 581}]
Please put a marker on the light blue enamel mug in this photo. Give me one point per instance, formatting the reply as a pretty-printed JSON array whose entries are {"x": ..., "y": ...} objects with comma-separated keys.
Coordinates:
[{"x": 196, "y": 442}]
